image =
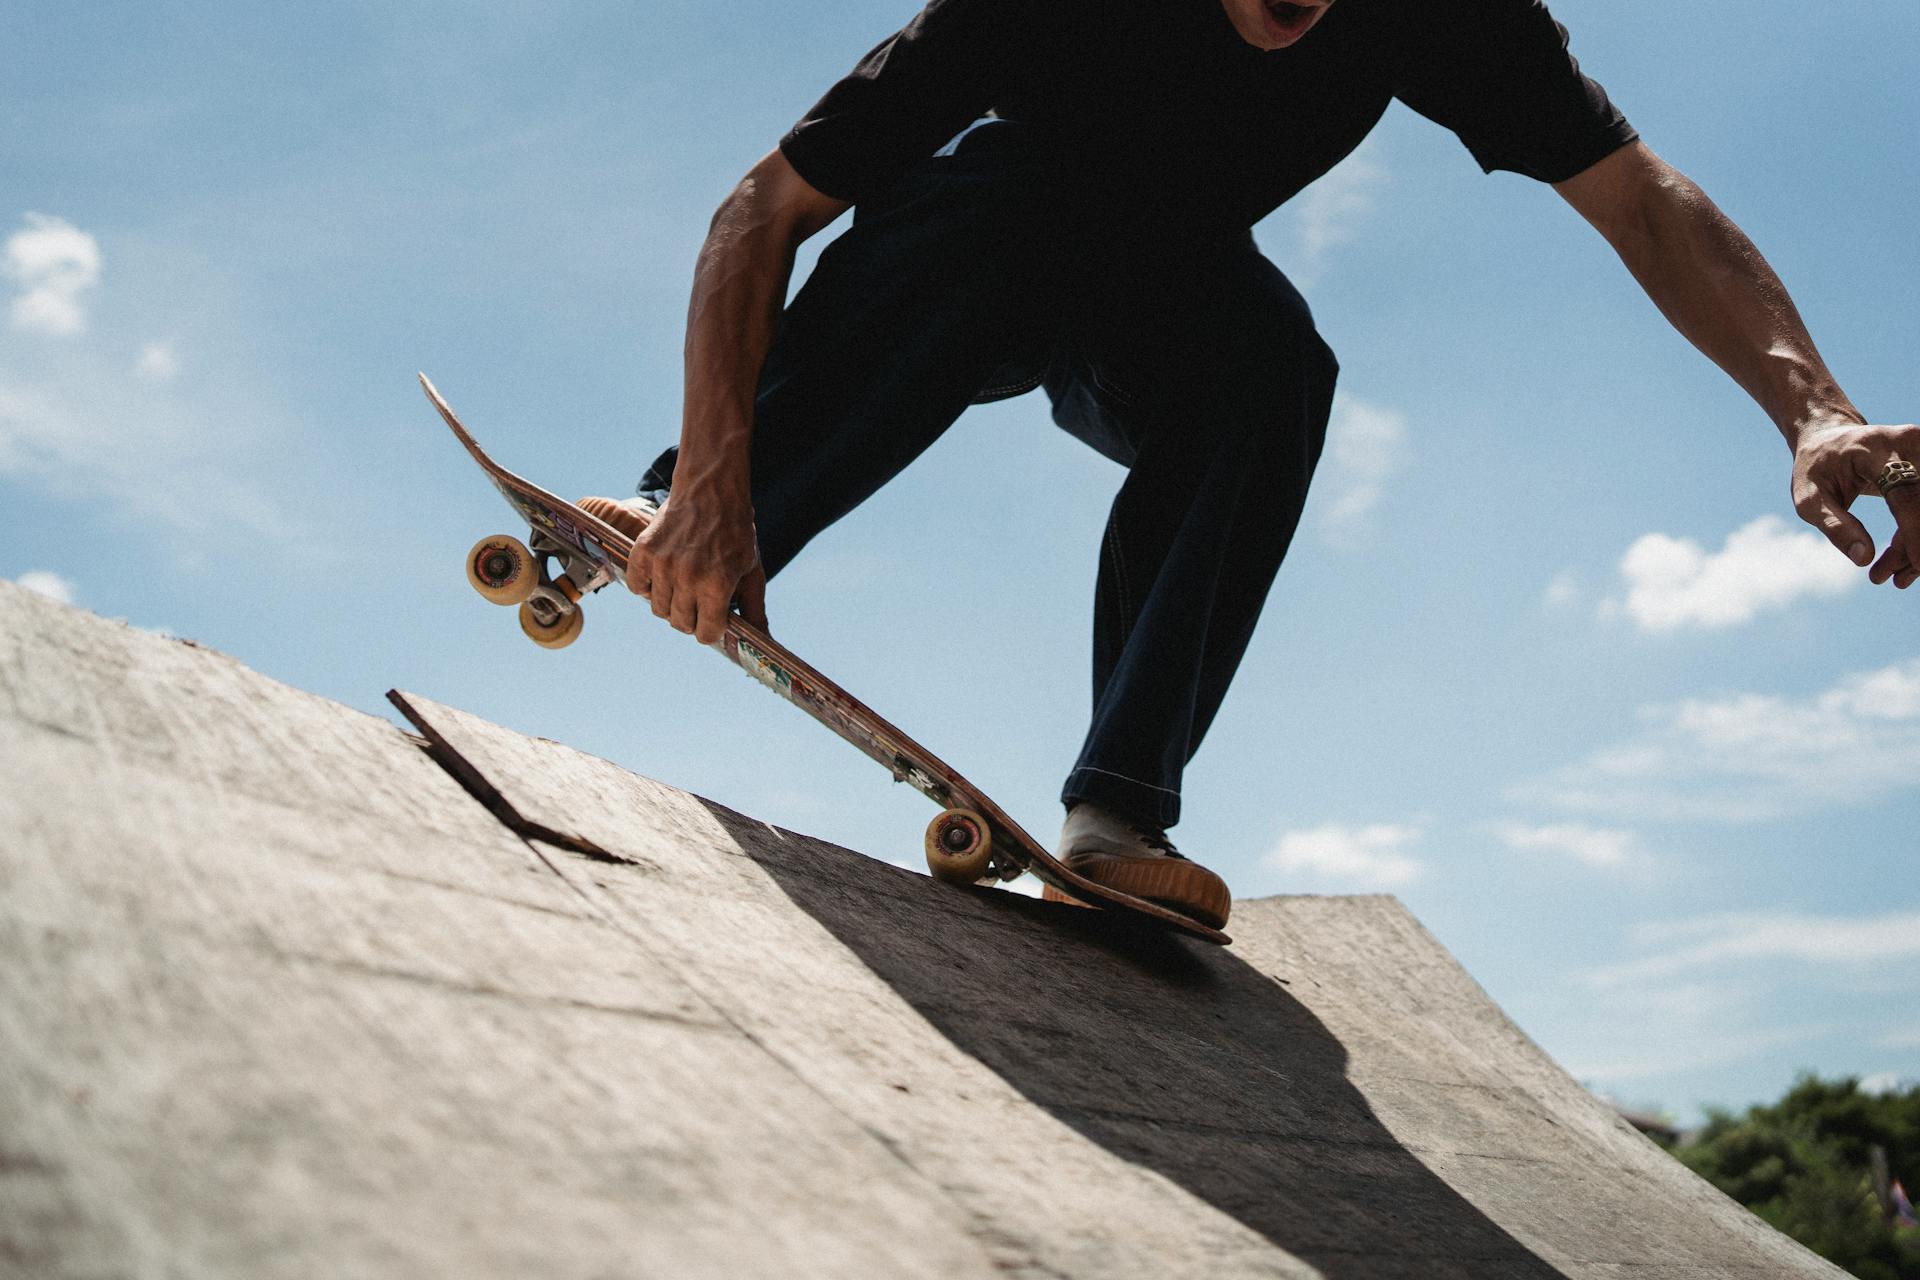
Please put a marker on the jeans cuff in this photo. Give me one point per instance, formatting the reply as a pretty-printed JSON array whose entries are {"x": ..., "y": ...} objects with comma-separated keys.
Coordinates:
[{"x": 1136, "y": 801}]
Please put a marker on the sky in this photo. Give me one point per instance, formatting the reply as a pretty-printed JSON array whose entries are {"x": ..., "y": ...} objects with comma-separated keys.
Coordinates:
[{"x": 1552, "y": 659}]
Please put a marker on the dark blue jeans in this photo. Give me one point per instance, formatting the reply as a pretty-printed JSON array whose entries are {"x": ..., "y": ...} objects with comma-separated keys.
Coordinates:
[{"x": 1187, "y": 357}]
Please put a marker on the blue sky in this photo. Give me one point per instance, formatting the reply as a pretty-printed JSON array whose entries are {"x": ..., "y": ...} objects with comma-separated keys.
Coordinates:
[{"x": 1567, "y": 677}]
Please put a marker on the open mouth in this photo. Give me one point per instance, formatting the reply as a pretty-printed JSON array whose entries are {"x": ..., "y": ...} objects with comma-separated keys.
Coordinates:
[{"x": 1290, "y": 21}]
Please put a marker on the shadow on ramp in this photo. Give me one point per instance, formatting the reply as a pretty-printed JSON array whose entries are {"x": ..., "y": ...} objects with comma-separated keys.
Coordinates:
[{"x": 1177, "y": 1057}]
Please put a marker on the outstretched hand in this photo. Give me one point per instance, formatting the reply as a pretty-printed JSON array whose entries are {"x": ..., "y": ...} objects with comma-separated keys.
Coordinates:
[
  {"x": 1834, "y": 465},
  {"x": 695, "y": 559}
]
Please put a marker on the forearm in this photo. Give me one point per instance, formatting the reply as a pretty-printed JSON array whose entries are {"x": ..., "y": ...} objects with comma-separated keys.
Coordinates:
[
  {"x": 1708, "y": 279},
  {"x": 698, "y": 558},
  {"x": 739, "y": 287},
  {"x": 1714, "y": 286}
]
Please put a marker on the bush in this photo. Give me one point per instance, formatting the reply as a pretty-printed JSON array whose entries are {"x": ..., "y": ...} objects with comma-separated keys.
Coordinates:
[{"x": 1804, "y": 1164}]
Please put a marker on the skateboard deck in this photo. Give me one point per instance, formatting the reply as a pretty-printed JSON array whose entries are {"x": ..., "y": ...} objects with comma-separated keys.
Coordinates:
[{"x": 593, "y": 553}]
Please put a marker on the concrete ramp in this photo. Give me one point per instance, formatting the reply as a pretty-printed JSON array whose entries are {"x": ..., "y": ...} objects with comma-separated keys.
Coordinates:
[{"x": 287, "y": 991}]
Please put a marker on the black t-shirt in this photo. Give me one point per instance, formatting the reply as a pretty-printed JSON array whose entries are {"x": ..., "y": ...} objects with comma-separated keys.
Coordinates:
[{"x": 1166, "y": 100}]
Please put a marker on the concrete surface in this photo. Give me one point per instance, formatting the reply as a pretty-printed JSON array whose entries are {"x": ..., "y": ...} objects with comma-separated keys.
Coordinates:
[{"x": 288, "y": 991}]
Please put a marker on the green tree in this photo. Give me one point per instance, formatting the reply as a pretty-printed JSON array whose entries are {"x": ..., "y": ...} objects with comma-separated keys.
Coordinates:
[{"x": 1804, "y": 1164}]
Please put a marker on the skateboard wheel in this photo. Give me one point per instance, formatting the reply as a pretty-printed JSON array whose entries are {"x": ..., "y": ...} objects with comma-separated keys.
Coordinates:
[
  {"x": 562, "y": 631},
  {"x": 501, "y": 569},
  {"x": 959, "y": 846}
]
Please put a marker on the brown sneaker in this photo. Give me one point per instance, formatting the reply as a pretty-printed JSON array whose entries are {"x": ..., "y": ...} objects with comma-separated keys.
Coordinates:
[
  {"x": 629, "y": 516},
  {"x": 1115, "y": 853}
]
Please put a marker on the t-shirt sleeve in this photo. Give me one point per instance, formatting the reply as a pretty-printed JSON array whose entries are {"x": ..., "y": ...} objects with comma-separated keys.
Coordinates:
[
  {"x": 1498, "y": 73},
  {"x": 912, "y": 92}
]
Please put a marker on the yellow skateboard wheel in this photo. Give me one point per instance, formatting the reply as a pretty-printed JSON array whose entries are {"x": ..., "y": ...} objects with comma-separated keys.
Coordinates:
[
  {"x": 959, "y": 846},
  {"x": 501, "y": 569},
  {"x": 563, "y": 631}
]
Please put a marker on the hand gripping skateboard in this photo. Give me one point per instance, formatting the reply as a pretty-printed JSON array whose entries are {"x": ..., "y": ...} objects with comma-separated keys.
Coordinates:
[{"x": 970, "y": 839}]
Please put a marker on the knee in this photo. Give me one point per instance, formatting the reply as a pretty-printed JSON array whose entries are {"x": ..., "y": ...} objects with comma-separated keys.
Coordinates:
[
  {"x": 1319, "y": 367},
  {"x": 1297, "y": 355},
  {"x": 1289, "y": 380},
  {"x": 1284, "y": 399},
  {"x": 1320, "y": 370},
  {"x": 1328, "y": 362},
  {"x": 1323, "y": 372},
  {"x": 1295, "y": 339}
]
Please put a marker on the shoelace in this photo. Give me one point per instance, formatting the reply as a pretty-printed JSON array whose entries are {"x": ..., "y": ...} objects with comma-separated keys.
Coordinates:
[{"x": 1158, "y": 840}]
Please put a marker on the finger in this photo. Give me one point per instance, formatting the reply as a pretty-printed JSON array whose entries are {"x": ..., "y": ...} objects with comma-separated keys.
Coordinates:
[
  {"x": 1891, "y": 562},
  {"x": 710, "y": 618},
  {"x": 1904, "y": 501},
  {"x": 686, "y": 607},
  {"x": 639, "y": 573},
  {"x": 753, "y": 597},
  {"x": 1827, "y": 513},
  {"x": 1904, "y": 578},
  {"x": 662, "y": 598}
]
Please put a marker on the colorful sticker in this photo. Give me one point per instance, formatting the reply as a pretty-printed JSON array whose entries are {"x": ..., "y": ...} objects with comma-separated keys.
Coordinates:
[
  {"x": 762, "y": 668},
  {"x": 816, "y": 703}
]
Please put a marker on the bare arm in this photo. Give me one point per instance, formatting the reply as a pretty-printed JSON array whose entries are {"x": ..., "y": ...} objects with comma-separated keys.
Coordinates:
[
  {"x": 700, "y": 552},
  {"x": 1710, "y": 281}
]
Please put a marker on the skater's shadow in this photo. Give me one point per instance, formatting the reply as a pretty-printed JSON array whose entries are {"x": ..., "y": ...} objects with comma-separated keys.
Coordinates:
[{"x": 1167, "y": 1052}]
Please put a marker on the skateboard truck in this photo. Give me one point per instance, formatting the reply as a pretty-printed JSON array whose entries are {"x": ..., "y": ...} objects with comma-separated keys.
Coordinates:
[{"x": 507, "y": 571}]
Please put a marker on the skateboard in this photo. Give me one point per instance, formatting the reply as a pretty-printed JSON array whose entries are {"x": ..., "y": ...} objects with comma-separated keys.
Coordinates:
[{"x": 969, "y": 840}]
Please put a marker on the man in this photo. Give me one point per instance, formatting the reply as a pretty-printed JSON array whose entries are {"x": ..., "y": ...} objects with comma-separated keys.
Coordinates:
[{"x": 1060, "y": 193}]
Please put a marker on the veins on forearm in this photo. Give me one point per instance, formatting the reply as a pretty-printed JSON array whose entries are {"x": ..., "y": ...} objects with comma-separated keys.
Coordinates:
[
  {"x": 740, "y": 284},
  {"x": 1714, "y": 285}
]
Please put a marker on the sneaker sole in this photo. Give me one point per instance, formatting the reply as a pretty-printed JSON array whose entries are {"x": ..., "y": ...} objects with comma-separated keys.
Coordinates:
[{"x": 1175, "y": 883}]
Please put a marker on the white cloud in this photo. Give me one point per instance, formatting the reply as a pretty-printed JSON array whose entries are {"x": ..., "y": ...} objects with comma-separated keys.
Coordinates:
[
  {"x": 85, "y": 429},
  {"x": 1601, "y": 847},
  {"x": 1705, "y": 942},
  {"x": 1331, "y": 212},
  {"x": 1675, "y": 1046},
  {"x": 1788, "y": 989},
  {"x": 1371, "y": 857},
  {"x": 157, "y": 362},
  {"x": 1366, "y": 447},
  {"x": 1674, "y": 583},
  {"x": 51, "y": 585},
  {"x": 89, "y": 423},
  {"x": 1751, "y": 756},
  {"x": 1562, "y": 590},
  {"x": 53, "y": 263},
  {"x": 1616, "y": 1033}
]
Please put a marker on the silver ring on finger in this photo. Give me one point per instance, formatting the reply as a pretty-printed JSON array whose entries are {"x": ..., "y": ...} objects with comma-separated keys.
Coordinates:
[{"x": 1897, "y": 474}]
